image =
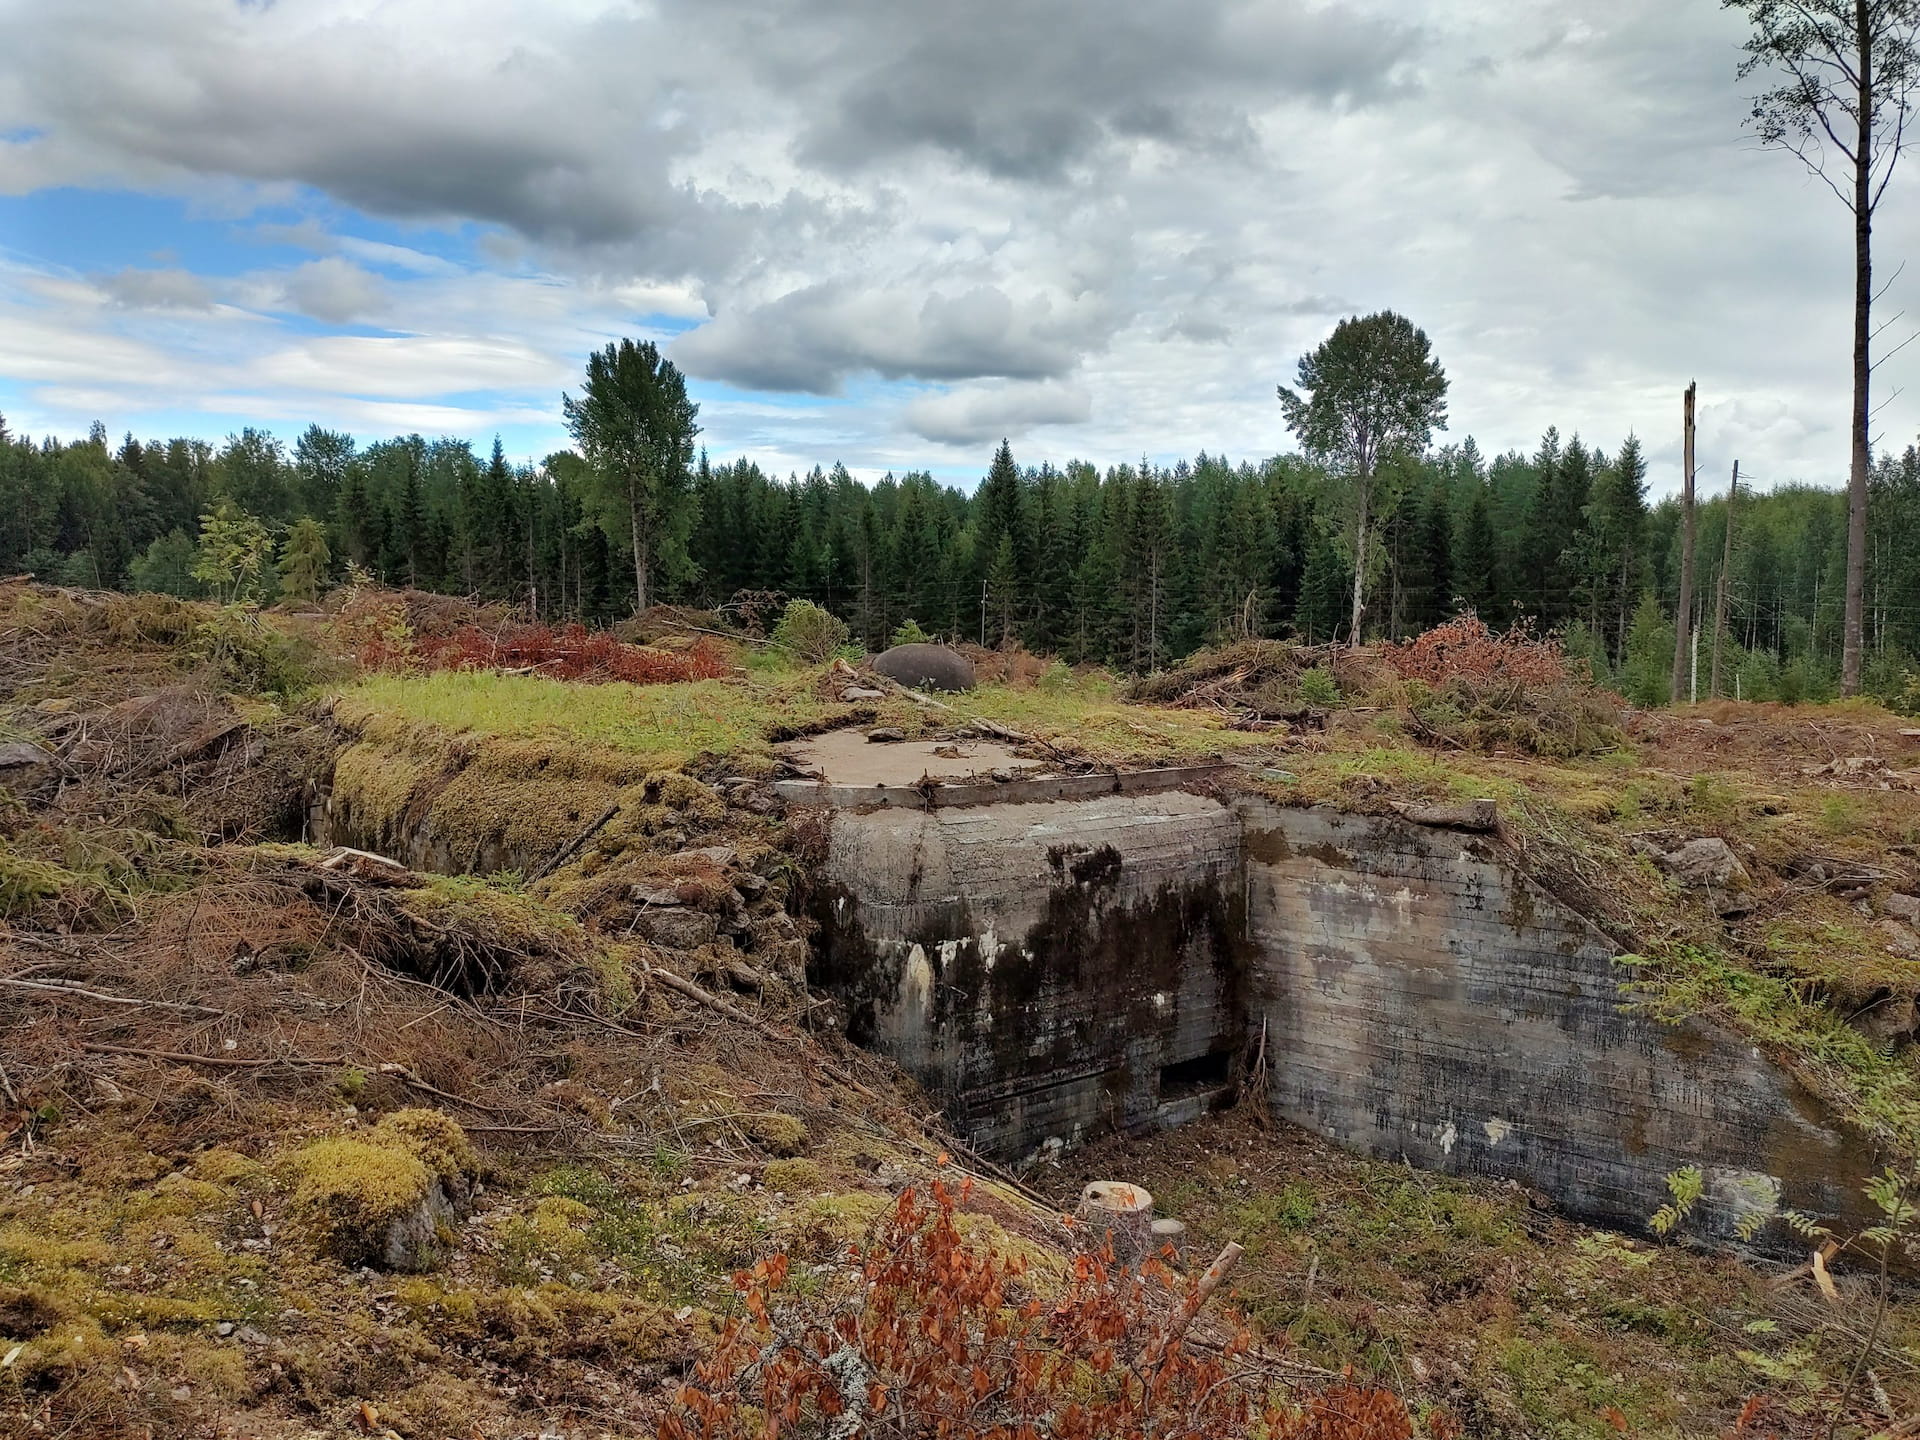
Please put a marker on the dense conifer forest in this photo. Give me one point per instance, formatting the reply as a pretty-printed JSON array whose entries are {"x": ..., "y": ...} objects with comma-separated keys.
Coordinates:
[{"x": 1132, "y": 565}]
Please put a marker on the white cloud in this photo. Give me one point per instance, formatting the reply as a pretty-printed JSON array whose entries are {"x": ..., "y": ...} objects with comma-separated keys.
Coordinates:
[
  {"x": 978, "y": 415},
  {"x": 169, "y": 289},
  {"x": 334, "y": 290},
  {"x": 1112, "y": 226}
]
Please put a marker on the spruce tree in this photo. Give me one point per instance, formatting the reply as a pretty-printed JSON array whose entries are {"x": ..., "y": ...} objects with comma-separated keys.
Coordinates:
[{"x": 304, "y": 560}]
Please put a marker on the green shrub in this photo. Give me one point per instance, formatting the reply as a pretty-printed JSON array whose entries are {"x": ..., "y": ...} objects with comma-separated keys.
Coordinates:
[
  {"x": 813, "y": 634},
  {"x": 1318, "y": 687}
]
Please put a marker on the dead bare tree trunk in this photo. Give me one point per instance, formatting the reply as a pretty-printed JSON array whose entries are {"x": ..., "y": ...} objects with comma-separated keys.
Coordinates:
[
  {"x": 639, "y": 548},
  {"x": 1720, "y": 597},
  {"x": 1863, "y": 206},
  {"x": 1360, "y": 560},
  {"x": 1683, "y": 613}
]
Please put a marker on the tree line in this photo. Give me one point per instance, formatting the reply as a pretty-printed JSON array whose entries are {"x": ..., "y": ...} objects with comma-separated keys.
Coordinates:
[{"x": 1131, "y": 566}]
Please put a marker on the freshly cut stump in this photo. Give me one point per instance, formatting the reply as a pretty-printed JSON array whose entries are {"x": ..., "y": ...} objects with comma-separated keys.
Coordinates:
[
  {"x": 1120, "y": 1212},
  {"x": 1167, "y": 1233}
]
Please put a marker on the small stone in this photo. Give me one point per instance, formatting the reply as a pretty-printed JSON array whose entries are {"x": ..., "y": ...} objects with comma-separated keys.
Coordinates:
[
  {"x": 1904, "y": 907},
  {"x": 861, "y": 692},
  {"x": 1707, "y": 864},
  {"x": 885, "y": 735},
  {"x": 677, "y": 927},
  {"x": 250, "y": 1336},
  {"x": 1899, "y": 939},
  {"x": 1894, "y": 1018},
  {"x": 721, "y": 855},
  {"x": 16, "y": 754},
  {"x": 223, "y": 1329}
]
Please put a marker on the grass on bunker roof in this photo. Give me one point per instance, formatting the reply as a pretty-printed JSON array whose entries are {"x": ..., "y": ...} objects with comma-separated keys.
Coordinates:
[{"x": 675, "y": 726}]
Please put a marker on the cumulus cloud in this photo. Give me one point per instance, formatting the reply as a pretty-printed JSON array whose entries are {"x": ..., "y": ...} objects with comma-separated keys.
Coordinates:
[
  {"x": 977, "y": 415},
  {"x": 169, "y": 289},
  {"x": 813, "y": 339}
]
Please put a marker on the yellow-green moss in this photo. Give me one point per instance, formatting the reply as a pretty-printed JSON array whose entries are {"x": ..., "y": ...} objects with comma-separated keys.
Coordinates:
[
  {"x": 377, "y": 783},
  {"x": 532, "y": 815},
  {"x": 221, "y": 1166},
  {"x": 849, "y": 1215},
  {"x": 433, "y": 1137},
  {"x": 507, "y": 919},
  {"x": 791, "y": 1176},
  {"x": 348, "y": 1191},
  {"x": 777, "y": 1133}
]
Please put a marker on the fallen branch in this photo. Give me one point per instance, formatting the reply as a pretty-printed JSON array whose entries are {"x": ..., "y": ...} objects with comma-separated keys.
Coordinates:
[
  {"x": 1215, "y": 1277},
  {"x": 234, "y": 1062},
  {"x": 67, "y": 987},
  {"x": 573, "y": 846}
]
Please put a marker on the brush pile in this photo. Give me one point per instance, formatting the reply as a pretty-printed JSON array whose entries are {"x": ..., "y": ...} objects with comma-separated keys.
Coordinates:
[
  {"x": 1464, "y": 687},
  {"x": 410, "y": 632},
  {"x": 1459, "y": 686}
]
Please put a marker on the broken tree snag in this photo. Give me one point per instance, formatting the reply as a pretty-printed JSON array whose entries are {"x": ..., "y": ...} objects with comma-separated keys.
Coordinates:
[
  {"x": 1203, "y": 1289},
  {"x": 365, "y": 866},
  {"x": 1114, "y": 1211}
]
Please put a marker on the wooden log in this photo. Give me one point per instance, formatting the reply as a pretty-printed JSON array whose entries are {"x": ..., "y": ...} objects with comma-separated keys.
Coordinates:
[
  {"x": 1191, "y": 1306},
  {"x": 1117, "y": 1213}
]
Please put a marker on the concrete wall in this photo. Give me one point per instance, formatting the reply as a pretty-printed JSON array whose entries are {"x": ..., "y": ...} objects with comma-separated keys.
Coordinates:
[
  {"x": 1041, "y": 966},
  {"x": 1423, "y": 1002},
  {"x": 1037, "y": 965}
]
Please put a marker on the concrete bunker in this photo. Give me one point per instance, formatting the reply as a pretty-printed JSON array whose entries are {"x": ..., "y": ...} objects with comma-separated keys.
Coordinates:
[{"x": 1054, "y": 956}]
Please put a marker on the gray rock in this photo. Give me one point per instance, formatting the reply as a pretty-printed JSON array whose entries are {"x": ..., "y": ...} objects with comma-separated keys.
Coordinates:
[
  {"x": 1899, "y": 939},
  {"x": 926, "y": 667},
  {"x": 677, "y": 927},
  {"x": 21, "y": 754},
  {"x": 1707, "y": 864},
  {"x": 1894, "y": 1018},
  {"x": 885, "y": 735},
  {"x": 721, "y": 855},
  {"x": 861, "y": 692},
  {"x": 1904, "y": 907},
  {"x": 419, "y": 1239}
]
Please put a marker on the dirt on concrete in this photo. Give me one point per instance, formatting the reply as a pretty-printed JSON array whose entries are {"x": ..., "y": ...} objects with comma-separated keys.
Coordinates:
[{"x": 848, "y": 757}]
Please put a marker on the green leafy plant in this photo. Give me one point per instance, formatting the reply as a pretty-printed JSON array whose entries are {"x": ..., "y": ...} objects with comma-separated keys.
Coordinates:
[
  {"x": 1318, "y": 687},
  {"x": 1686, "y": 1185},
  {"x": 813, "y": 634}
]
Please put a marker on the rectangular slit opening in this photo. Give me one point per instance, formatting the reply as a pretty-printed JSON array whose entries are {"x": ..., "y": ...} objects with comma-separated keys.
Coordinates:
[{"x": 1196, "y": 1076}]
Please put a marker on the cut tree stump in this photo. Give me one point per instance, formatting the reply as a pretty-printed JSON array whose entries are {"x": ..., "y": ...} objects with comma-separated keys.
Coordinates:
[
  {"x": 1116, "y": 1211},
  {"x": 1169, "y": 1234}
]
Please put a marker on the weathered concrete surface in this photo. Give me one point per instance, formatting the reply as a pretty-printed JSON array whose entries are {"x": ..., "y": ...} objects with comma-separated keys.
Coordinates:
[
  {"x": 1424, "y": 1002},
  {"x": 1039, "y": 965},
  {"x": 1055, "y": 968},
  {"x": 846, "y": 757}
]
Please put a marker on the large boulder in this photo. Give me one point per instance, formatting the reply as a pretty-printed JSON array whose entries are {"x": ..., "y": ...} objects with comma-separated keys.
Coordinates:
[{"x": 926, "y": 667}]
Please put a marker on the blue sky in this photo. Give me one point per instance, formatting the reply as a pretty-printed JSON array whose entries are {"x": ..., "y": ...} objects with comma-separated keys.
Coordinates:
[{"x": 890, "y": 235}]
